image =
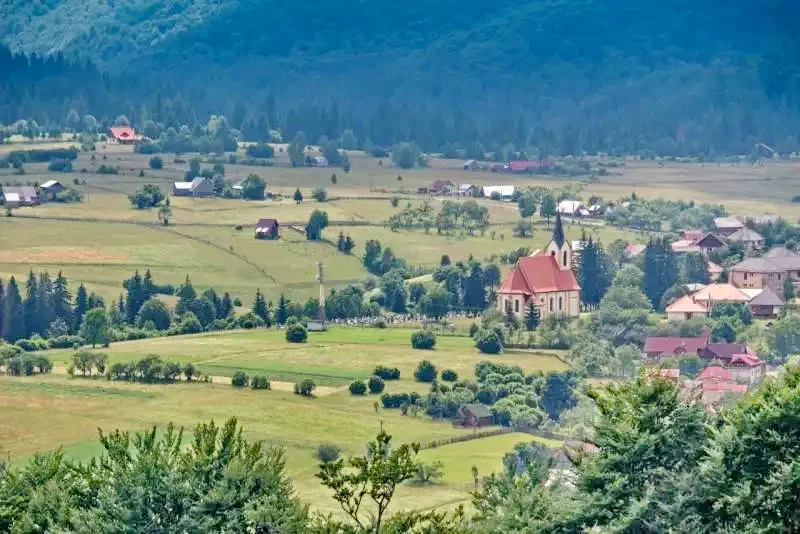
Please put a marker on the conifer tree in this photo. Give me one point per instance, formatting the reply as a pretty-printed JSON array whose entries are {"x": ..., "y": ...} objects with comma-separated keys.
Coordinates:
[
  {"x": 340, "y": 242},
  {"x": 81, "y": 306},
  {"x": 135, "y": 297},
  {"x": 260, "y": 305},
  {"x": 31, "y": 306},
  {"x": 46, "y": 310},
  {"x": 281, "y": 315},
  {"x": 2, "y": 305},
  {"x": 13, "y": 327},
  {"x": 186, "y": 296},
  {"x": 62, "y": 300},
  {"x": 226, "y": 307},
  {"x": 532, "y": 317},
  {"x": 592, "y": 273},
  {"x": 147, "y": 284}
]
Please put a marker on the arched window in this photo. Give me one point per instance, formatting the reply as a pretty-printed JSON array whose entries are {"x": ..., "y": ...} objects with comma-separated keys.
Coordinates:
[
  {"x": 565, "y": 258},
  {"x": 551, "y": 303}
]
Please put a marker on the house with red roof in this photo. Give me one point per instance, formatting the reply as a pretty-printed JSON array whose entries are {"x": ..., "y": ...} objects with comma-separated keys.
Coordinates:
[
  {"x": 545, "y": 280},
  {"x": 123, "y": 135},
  {"x": 656, "y": 348},
  {"x": 747, "y": 368}
]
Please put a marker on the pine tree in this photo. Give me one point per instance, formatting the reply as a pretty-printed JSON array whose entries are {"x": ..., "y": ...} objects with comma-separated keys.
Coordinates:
[
  {"x": 226, "y": 307},
  {"x": 81, "y": 306},
  {"x": 592, "y": 273},
  {"x": 31, "y": 306},
  {"x": 135, "y": 297},
  {"x": 96, "y": 301},
  {"x": 349, "y": 244},
  {"x": 62, "y": 307},
  {"x": 46, "y": 310},
  {"x": 186, "y": 296},
  {"x": 532, "y": 317},
  {"x": 660, "y": 270},
  {"x": 340, "y": 243},
  {"x": 13, "y": 327},
  {"x": 281, "y": 315},
  {"x": 147, "y": 284},
  {"x": 260, "y": 305}
]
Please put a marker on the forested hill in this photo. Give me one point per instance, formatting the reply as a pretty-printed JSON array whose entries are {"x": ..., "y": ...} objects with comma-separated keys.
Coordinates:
[{"x": 685, "y": 75}]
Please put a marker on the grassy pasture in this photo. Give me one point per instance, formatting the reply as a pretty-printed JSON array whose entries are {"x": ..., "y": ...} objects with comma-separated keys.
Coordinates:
[{"x": 44, "y": 412}]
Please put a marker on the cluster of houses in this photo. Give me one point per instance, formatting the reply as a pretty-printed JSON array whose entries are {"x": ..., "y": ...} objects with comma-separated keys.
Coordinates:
[
  {"x": 728, "y": 230},
  {"x": 448, "y": 188},
  {"x": 732, "y": 368},
  {"x": 28, "y": 195}
]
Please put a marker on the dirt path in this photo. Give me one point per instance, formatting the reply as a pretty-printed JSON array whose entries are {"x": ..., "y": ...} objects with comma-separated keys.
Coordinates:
[{"x": 275, "y": 385}]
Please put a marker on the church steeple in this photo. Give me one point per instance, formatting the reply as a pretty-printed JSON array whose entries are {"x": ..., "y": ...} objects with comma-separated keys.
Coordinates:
[{"x": 558, "y": 231}]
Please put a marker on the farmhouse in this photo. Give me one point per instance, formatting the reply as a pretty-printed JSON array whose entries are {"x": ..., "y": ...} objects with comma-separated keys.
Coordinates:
[
  {"x": 686, "y": 308},
  {"x": 656, "y": 348},
  {"x": 475, "y": 415},
  {"x": 467, "y": 190},
  {"x": 442, "y": 187},
  {"x": 267, "y": 229},
  {"x": 766, "y": 304},
  {"x": 123, "y": 135},
  {"x": 505, "y": 191},
  {"x": 747, "y": 368},
  {"x": 727, "y": 225},
  {"x": 528, "y": 166},
  {"x": 546, "y": 280},
  {"x": 769, "y": 270},
  {"x": 751, "y": 239},
  {"x": 50, "y": 189},
  {"x": 572, "y": 208},
  {"x": 697, "y": 241},
  {"x": 16, "y": 197},
  {"x": 199, "y": 187}
]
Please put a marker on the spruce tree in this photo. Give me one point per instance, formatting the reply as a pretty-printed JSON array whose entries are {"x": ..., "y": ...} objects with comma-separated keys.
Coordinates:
[
  {"x": 592, "y": 273},
  {"x": 340, "y": 243},
  {"x": 186, "y": 296},
  {"x": 281, "y": 314},
  {"x": 31, "y": 306},
  {"x": 147, "y": 284},
  {"x": 532, "y": 317},
  {"x": 62, "y": 300},
  {"x": 81, "y": 306},
  {"x": 226, "y": 307},
  {"x": 135, "y": 297},
  {"x": 13, "y": 327},
  {"x": 260, "y": 305},
  {"x": 46, "y": 310}
]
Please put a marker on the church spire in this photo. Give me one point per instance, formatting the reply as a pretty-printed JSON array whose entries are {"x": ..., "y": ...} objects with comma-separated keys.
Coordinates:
[{"x": 558, "y": 231}]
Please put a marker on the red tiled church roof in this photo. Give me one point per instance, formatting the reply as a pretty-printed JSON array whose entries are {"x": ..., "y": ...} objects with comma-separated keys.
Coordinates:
[{"x": 539, "y": 274}]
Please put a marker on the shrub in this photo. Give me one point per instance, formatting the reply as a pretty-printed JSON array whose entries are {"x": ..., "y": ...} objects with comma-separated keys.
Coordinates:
[
  {"x": 376, "y": 384},
  {"x": 448, "y": 375},
  {"x": 473, "y": 329},
  {"x": 305, "y": 388},
  {"x": 425, "y": 372},
  {"x": 387, "y": 373},
  {"x": 296, "y": 333},
  {"x": 240, "y": 379},
  {"x": 248, "y": 321},
  {"x": 60, "y": 165},
  {"x": 32, "y": 345},
  {"x": 400, "y": 399},
  {"x": 423, "y": 340},
  {"x": 261, "y": 150},
  {"x": 156, "y": 163},
  {"x": 327, "y": 453},
  {"x": 107, "y": 169},
  {"x": 260, "y": 382},
  {"x": 319, "y": 194},
  {"x": 380, "y": 324},
  {"x": 65, "y": 342},
  {"x": 358, "y": 388},
  {"x": 489, "y": 341}
]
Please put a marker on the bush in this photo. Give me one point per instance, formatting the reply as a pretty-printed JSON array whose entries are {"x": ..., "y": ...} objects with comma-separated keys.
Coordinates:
[
  {"x": 473, "y": 329},
  {"x": 319, "y": 194},
  {"x": 240, "y": 379},
  {"x": 327, "y": 453},
  {"x": 305, "y": 388},
  {"x": 358, "y": 388},
  {"x": 380, "y": 324},
  {"x": 107, "y": 169},
  {"x": 32, "y": 345},
  {"x": 260, "y": 382},
  {"x": 60, "y": 165},
  {"x": 156, "y": 163},
  {"x": 261, "y": 150},
  {"x": 296, "y": 333},
  {"x": 489, "y": 341},
  {"x": 387, "y": 373},
  {"x": 448, "y": 375},
  {"x": 400, "y": 399},
  {"x": 65, "y": 342},
  {"x": 423, "y": 340},
  {"x": 425, "y": 372},
  {"x": 376, "y": 384}
]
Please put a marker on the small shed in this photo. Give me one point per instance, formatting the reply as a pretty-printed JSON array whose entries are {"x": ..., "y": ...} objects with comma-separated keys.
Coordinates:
[
  {"x": 267, "y": 229},
  {"x": 476, "y": 415}
]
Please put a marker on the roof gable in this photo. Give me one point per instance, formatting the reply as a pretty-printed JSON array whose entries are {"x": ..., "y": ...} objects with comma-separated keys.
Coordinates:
[
  {"x": 767, "y": 297},
  {"x": 714, "y": 372},
  {"x": 710, "y": 241},
  {"x": 266, "y": 223},
  {"x": 543, "y": 275},
  {"x": 686, "y": 304}
]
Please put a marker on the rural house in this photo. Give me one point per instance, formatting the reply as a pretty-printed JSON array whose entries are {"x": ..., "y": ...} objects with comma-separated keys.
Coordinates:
[
  {"x": 16, "y": 197},
  {"x": 697, "y": 241},
  {"x": 442, "y": 187},
  {"x": 751, "y": 239},
  {"x": 504, "y": 191},
  {"x": 572, "y": 208},
  {"x": 267, "y": 229},
  {"x": 467, "y": 190},
  {"x": 728, "y": 225},
  {"x": 50, "y": 189},
  {"x": 528, "y": 166},
  {"x": 123, "y": 135},
  {"x": 475, "y": 415},
  {"x": 656, "y": 348},
  {"x": 199, "y": 187},
  {"x": 545, "y": 279},
  {"x": 766, "y": 304},
  {"x": 686, "y": 308},
  {"x": 747, "y": 368},
  {"x": 770, "y": 270}
]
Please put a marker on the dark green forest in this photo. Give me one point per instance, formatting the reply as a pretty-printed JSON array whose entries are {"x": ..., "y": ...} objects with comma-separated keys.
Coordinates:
[{"x": 685, "y": 77}]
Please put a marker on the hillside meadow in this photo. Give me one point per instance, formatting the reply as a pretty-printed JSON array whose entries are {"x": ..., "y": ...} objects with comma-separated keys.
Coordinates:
[{"x": 45, "y": 412}]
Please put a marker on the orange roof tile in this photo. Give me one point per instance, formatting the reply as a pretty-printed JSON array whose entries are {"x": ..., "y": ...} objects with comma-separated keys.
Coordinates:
[
  {"x": 685, "y": 304},
  {"x": 720, "y": 293},
  {"x": 714, "y": 372},
  {"x": 538, "y": 274}
]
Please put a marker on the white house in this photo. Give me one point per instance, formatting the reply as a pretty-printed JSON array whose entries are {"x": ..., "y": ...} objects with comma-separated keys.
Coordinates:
[{"x": 505, "y": 191}]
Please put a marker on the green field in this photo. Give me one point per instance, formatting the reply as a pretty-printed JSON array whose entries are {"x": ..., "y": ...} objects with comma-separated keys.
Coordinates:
[{"x": 42, "y": 413}]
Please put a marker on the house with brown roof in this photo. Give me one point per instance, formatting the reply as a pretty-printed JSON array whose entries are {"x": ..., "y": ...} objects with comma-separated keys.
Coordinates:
[
  {"x": 475, "y": 415},
  {"x": 267, "y": 229},
  {"x": 546, "y": 280},
  {"x": 770, "y": 270},
  {"x": 727, "y": 225},
  {"x": 657, "y": 348},
  {"x": 766, "y": 304},
  {"x": 751, "y": 239},
  {"x": 724, "y": 352},
  {"x": 442, "y": 187},
  {"x": 697, "y": 241}
]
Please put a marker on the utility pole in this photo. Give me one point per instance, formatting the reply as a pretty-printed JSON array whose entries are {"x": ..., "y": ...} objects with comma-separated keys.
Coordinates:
[{"x": 321, "y": 280}]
